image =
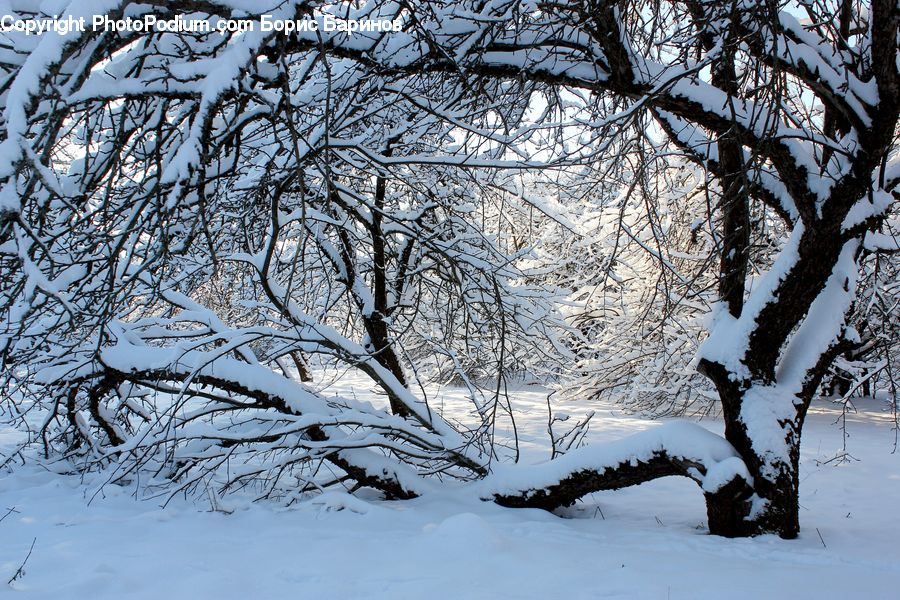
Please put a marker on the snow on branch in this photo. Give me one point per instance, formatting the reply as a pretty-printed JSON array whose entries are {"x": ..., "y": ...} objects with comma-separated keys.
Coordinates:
[
  {"x": 676, "y": 448},
  {"x": 282, "y": 417}
]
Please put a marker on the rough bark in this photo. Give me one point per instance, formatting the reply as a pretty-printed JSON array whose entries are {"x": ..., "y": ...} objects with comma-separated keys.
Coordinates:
[
  {"x": 583, "y": 482},
  {"x": 302, "y": 366},
  {"x": 376, "y": 323}
]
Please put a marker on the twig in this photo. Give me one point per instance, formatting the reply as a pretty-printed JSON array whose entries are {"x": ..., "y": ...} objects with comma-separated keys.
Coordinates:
[
  {"x": 9, "y": 511},
  {"x": 20, "y": 572},
  {"x": 821, "y": 539}
]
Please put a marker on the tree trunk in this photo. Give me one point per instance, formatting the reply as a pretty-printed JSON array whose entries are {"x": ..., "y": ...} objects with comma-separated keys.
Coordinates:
[
  {"x": 303, "y": 370},
  {"x": 383, "y": 352},
  {"x": 727, "y": 510},
  {"x": 771, "y": 507}
]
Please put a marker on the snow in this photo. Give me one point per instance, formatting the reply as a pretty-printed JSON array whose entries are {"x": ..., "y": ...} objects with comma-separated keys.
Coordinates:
[
  {"x": 729, "y": 338},
  {"x": 677, "y": 439},
  {"x": 644, "y": 542},
  {"x": 867, "y": 208},
  {"x": 94, "y": 540},
  {"x": 882, "y": 241},
  {"x": 768, "y": 412},
  {"x": 823, "y": 324}
]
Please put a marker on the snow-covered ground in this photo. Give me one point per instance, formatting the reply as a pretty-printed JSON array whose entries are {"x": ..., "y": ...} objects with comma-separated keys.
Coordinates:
[{"x": 644, "y": 542}]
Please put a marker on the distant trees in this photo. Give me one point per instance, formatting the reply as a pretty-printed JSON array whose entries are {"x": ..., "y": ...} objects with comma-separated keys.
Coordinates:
[
  {"x": 637, "y": 262},
  {"x": 346, "y": 192}
]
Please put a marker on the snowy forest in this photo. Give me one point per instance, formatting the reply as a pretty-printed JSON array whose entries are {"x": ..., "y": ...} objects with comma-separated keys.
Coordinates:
[{"x": 253, "y": 262}]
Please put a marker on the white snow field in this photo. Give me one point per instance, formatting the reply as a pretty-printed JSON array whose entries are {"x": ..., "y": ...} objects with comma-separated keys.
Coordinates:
[{"x": 644, "y": 542}]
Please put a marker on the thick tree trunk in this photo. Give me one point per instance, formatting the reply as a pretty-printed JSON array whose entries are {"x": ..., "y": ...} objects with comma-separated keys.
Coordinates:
[
  {"x": 773, "y": 506},
  {"x": 769, "y": 507}
]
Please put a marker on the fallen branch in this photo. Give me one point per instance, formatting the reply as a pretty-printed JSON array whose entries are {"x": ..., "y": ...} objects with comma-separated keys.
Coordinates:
[{"x": 20, "y": 572}]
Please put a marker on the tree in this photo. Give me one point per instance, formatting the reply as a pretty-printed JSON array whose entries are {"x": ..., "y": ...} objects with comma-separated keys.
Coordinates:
[
  {"x": 798, "y": 116},
  {"x": 790, "y": 112},
  {"x": 170, "y": 247}
]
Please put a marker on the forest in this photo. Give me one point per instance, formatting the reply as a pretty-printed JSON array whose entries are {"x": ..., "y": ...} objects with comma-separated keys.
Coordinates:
[{"x": 247, "y": 263}]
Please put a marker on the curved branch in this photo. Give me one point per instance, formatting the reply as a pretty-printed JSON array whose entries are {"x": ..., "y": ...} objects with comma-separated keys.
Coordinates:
[{"x": 677, "y": 448}]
